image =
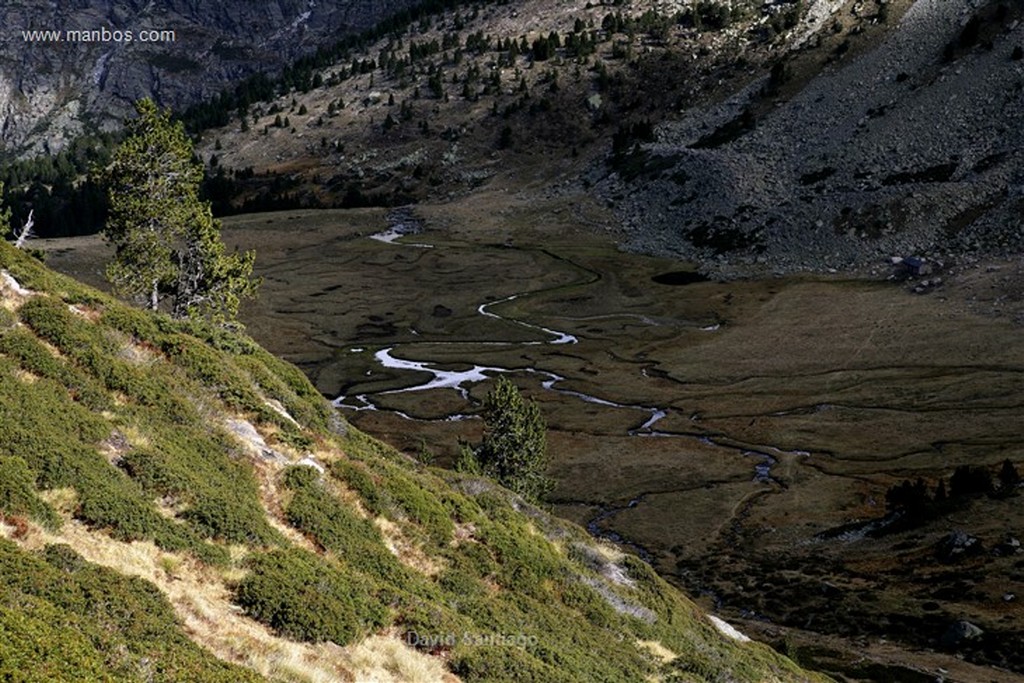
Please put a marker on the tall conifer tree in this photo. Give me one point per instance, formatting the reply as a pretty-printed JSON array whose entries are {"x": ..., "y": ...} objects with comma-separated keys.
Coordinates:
[{"x": 167, "y": 243}]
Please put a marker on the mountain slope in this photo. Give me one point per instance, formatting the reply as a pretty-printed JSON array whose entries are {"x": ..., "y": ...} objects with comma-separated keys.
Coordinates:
[
  {"x": 150, "y": 468},
  {"x": 912, "y": 147},
  {"x": 491, "y": 94}
]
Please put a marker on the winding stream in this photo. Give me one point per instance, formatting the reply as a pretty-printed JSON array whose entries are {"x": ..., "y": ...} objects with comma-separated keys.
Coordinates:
[{"x": 403, "y": 224}]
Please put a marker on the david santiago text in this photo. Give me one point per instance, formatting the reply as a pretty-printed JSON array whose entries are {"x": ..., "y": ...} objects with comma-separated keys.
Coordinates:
[{"x": 452, "y": 639}]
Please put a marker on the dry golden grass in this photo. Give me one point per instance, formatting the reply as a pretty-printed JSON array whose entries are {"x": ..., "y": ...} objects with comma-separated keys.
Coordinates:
[
  {"x": 463, "y": 533},
  {"x": 62, "y": 500},
  {"x": 135, "y": 437},
  {"x": 658, "y": 650},
  {"x": 407, "y": 552},
  {"x": 202, "y": 600},
  {"x": 139, "y": 354},
  {"x": 387, "y": 659},
  {"x": 608, "y": 552},
  {"x": 25, "y": 376}
]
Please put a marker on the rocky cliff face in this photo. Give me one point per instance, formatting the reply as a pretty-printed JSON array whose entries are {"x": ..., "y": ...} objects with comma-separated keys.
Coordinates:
[{"x": 50, "y": 90}]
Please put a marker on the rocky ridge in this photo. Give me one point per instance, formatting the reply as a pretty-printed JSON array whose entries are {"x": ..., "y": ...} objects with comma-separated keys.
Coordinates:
[{"x": 49, "y": 92}]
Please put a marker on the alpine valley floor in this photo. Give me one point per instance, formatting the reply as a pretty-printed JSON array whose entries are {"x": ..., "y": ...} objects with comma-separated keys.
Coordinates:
[{"x": 738, "y": 435}]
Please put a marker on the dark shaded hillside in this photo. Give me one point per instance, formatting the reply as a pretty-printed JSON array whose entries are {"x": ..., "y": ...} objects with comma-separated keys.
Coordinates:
[{"x": 911, "y": 147}]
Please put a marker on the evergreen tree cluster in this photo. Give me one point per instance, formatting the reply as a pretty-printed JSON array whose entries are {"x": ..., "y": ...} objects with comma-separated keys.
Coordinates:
[
  {"x": 918, "y": 504},
  {"x": 401, "y": 61},
  {"x": 58, "y": 189},
  {"x": 303, "y": 74}
]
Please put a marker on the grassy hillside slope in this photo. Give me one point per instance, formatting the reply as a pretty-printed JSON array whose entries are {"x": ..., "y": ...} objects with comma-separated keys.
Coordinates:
[{"x": 178, "y": 504}]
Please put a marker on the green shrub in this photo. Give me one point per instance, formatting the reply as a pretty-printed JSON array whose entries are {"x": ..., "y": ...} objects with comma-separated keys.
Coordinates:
[
  {"x": 220, "y": 494},
  {"x": 416, "y": 615},
  {"x": 33, "y": 357},
  {"x": 357, "y": 476},
  {"x": 137, "y": 324},
  {"x": 95, "y": 352},
  {"x": 304, "y": 597},
  {"x": 527, "y": 560},
  {"x": 18, "y": 494},
  {"x": 111, "y": 501},
  {"x": 213, "y": 370},
  {"x": 417, "y": 503},
  {"x": 506, "y": 663},
  {"x": 51, "y": 319},
  {"x": 217, "y": 336},
  {"x": 339, "y": 529},
  {"x": 64, "y": 619},
  {"x": 38, "y": 420},
  {"x": 475, "y": 559},
  {"x": 233, "y": 518},
  {"x": 395, "y": 493},
  {"x": 7, "y": 320},
  {"x": 309, "y": 411},
  {"x": 38, "y": 643}
]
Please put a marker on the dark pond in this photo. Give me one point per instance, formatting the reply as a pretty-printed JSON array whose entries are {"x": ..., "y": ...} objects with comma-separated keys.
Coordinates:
[{"x": 679, "y": 277}]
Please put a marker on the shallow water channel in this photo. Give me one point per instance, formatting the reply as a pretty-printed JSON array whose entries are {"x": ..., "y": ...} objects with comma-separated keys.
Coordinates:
[{"x": 440, "y": 375}]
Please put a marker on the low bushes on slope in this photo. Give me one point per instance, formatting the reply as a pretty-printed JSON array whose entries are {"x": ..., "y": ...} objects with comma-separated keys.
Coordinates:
[
  {"x": 64, "y": 619},
  {"x": 304, "y": 597},
  {"x": 505, "y": 602}
]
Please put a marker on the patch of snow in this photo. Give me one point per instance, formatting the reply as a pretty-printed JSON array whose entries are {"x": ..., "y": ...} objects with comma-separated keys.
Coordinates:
[{"x": 727, "y": 629}]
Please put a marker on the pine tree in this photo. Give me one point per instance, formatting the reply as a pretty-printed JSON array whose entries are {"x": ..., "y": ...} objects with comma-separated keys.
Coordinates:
[
  {"x": 514, "y": 447},
  {"x": 166, "y": 242}
]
